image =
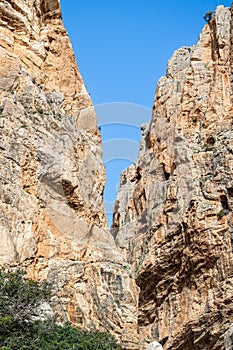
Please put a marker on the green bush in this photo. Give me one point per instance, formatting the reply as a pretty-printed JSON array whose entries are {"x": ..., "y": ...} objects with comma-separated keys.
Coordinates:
[
  {"x": 220, "y": 214},
  {"x": 45, "y": 335},
  {"x": 19, "y": 298}
]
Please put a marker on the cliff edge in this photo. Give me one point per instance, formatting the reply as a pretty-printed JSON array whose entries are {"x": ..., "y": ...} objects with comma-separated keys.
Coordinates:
[
  {"x": 173, "y": 213},
  {"x": 52, "y": 218}
]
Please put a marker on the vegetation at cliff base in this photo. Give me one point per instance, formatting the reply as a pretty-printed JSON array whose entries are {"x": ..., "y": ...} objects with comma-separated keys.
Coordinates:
[{"x": 22, "y": 328}]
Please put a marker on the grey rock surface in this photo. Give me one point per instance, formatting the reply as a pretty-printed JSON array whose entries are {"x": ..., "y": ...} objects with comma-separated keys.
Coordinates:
[{"x": 173, "y": 213}]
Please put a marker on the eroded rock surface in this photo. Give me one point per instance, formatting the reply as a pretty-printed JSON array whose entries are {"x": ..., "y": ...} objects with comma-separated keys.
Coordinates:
[
  {"x": 173, "y": 214},
  {"x": 52, "y": 219}
]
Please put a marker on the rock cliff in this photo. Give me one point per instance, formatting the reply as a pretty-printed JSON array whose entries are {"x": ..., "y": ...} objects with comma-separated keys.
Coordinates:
[
  {"x": 166, "y": 271},
  {"x": 173, "y": 214},
  {"x": 52, "y": 219}
]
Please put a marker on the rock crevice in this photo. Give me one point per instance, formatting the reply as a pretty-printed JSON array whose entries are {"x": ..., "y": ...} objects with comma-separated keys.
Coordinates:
[
  {"x": 52, "y": 218},
  {"x": 174, "y": 225},
  {"x": 164, "y": 275}
]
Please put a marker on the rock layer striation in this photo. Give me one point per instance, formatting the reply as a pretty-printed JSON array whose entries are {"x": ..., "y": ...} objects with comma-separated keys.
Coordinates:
[
  {"x": 165, "y": 274},
  {"x": 52, "y": 219},
  {"x": 173, "y": 214}
]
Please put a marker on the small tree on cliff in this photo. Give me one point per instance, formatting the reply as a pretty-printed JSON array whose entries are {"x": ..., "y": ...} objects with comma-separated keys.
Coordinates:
[
  {"x": 208, "y": 16},
  {"x": 20, "y": 297}
]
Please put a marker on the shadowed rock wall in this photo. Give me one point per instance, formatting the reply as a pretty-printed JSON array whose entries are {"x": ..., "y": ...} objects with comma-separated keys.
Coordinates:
[{"x": 173, "y": 213}]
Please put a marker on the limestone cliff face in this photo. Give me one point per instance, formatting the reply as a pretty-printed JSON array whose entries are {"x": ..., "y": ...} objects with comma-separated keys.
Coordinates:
[
  {"x": 33, "y": 36},
  {"x": 173, "y": 214},
  {"x": 52, "y": 220}
]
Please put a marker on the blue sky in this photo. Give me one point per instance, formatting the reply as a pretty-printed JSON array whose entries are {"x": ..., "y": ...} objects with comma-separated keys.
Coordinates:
[{"x": 122, "y": 48}]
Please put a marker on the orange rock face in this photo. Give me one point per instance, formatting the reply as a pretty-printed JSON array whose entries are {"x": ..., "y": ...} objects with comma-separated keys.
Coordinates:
[
  {"x": 168, "y": 275},
  {"x": 173, "y": 216},
  {"x": 52, "y": 218},
  {"x": 33, "y": 36}
]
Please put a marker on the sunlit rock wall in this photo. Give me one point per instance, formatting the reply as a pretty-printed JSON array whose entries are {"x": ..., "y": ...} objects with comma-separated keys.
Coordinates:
[{"x": 173, "y": 213}]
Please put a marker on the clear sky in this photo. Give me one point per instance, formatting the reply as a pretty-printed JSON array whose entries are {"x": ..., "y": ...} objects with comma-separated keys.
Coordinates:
[{"x": 122, "y": 48}]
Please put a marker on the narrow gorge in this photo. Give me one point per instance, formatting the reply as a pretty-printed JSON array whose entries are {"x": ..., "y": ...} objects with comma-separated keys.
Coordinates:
[{"x": 164, "y": 272}]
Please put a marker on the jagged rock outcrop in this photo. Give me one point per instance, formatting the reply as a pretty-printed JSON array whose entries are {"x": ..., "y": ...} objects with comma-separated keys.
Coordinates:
[
  {"x": 52, "y": 220},
  {"x": 173, "y": 214}
]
